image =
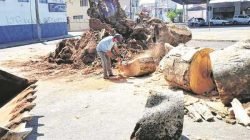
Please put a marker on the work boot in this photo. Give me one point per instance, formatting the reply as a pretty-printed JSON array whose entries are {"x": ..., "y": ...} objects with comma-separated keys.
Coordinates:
[
  {"x": 111, "y": 75},
  {"x": 105, "y": 77}
]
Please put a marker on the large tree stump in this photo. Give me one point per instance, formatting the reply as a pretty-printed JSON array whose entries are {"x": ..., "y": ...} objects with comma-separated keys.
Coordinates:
[
  {"x": 163, "y": 117},
  {"x": 231, "y": 72},
  {"x": 174, "y": 35},
  {"x": 139, "y": 66},
  {"x": 189, "y": 68}
]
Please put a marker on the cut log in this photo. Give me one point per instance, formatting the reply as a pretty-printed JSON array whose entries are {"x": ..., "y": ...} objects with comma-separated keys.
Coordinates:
[
  {"x": 200, "y": 72},
  {"x": 159, "y": 50},
  {"x": 231, "y": 72},
  {"x": 189, "y": 68},
  {"x": 139, "y": 66},
  {"x": 240, "y": 113}
]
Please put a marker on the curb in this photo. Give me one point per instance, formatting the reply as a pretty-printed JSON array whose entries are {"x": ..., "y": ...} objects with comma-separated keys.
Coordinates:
[
  {"x": 16, "y": 44},
  {"x": 215, "y": 40}
]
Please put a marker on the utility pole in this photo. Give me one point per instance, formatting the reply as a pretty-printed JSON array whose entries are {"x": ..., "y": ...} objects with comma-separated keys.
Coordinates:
[
  {"x": 208, "y": 14},
  {"x": 156, "y": 6},
  {"x": 130, "y": 13},
  {"x": 38, "y": 22}
]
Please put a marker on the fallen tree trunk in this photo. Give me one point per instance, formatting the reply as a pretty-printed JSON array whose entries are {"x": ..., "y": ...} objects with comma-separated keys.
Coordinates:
[
  {"x": 231, "y": 72},
  {"x": 139, "y": 66},
  {"x": 189, "y": 68},
  {"x": 158, "y": 50}
]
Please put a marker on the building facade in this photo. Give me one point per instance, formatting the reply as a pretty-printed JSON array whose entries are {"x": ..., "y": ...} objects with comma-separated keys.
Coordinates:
[
  {"x": 225, "y": 9},
  {"x": 229, "y": 8},
  {"x": 78, "y": 19},
  {"x": 31, "y": 20},
  {"x": 158, "y": 8}
]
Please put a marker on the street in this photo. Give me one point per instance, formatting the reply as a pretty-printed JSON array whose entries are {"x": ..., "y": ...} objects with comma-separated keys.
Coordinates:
[
  {"x": 78, "y": 107},
  {"x": 222, "y": 33}
]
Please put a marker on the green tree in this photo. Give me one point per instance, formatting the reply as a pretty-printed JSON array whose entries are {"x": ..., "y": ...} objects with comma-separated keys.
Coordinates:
[{"x": 171, "y": 15}]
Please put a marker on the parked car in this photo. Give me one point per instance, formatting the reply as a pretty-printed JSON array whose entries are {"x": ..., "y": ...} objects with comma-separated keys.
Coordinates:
[
  {"x": 240, "y": 19},
  {"x": 196, "y": 22},
  {"x": 218, "y": 21}
]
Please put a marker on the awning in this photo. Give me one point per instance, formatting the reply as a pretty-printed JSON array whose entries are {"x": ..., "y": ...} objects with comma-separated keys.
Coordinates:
[
  {"x": 222, "y": 1},
  {"x": 196, "y": 8},
  {"x": 190, "y": 1}
]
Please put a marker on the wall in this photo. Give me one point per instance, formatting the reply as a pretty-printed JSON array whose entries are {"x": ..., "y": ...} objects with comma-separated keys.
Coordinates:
[
  {"x": 53, "y": 24},
  {"x": 18, "y": 21},
  {"x": 197, "y": 14},
  {"x": 74, "y": 9}
]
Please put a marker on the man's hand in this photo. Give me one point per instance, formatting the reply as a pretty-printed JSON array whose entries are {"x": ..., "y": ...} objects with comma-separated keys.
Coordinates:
[
  {"x": 110, "y": 54},
  {"x": 119, "y": 60}
]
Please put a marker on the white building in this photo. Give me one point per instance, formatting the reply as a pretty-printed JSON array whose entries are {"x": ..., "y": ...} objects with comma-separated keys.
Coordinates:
[
  {"x": 78, "y": 19},
  {"x": 158, "y": 8},
  {"x": 228, "y": 8},
  {"x": 225, "y": 9},
  {"x": 30, "y": 20}
]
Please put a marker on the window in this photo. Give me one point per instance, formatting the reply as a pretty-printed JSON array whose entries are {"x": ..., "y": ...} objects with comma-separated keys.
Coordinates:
[
  {"x": 78, "y": 17},
  {"x": 43, "y": 1},
  {"x": 23, "y": 0},
  {"x": 84, "y": 3}
]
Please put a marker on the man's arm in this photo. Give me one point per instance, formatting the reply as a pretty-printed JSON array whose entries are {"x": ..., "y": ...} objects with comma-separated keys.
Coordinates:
[
  {"x": 117, "y": 50},
  {"x": 110, "y": 54}
]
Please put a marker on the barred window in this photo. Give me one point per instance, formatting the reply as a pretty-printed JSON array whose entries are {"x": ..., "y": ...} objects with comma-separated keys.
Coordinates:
[
  {"x": 78, "y": 17},
  {"x": 84, "y": 3}
]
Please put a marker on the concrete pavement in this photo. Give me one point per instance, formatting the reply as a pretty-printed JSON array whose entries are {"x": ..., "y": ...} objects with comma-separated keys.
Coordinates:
[{"x": 221, "y": 33}]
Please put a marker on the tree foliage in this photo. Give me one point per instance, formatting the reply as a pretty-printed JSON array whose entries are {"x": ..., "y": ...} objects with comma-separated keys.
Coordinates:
[{"x": 171, "y": 15}]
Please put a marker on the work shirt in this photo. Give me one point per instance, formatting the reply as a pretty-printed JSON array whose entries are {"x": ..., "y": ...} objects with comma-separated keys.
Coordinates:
[{"x": 105, "y": 44}]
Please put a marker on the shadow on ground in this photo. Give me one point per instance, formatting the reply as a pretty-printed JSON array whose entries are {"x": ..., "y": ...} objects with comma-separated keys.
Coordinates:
[{"x": 34, "y": 124}]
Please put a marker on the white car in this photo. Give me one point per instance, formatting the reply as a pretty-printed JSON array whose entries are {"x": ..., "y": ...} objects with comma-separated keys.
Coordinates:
[
  {"x": 218, "y": 21},
  {"x": 240, "y": 19}
]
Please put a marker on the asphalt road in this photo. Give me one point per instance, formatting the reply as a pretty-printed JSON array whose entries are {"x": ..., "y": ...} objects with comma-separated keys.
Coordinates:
[
  {"x": 221, "y": 28},
  {"x": 76, "y": 108}
]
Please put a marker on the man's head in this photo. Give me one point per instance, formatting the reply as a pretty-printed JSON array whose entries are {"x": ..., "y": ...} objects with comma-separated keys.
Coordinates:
[{"x": 118, "y": 38}]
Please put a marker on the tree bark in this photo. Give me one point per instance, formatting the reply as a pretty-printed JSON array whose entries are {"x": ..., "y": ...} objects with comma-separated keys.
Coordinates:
[
  {"x": 231, "y": 72},
  {"x": 188, "y": 68}
]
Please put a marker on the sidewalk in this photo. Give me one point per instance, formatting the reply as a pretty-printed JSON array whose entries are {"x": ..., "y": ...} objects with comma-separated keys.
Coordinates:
[
  {"x": 221, "y": 34},
  {"x": 44, "y": 41}
]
